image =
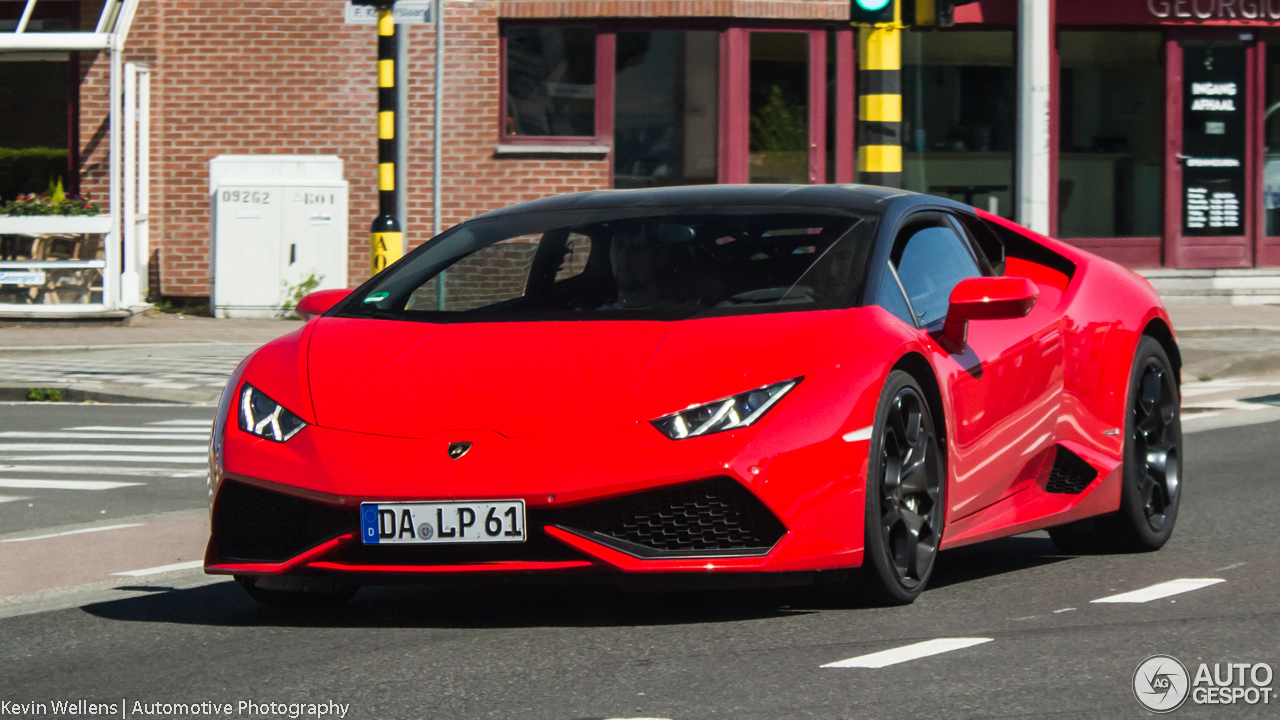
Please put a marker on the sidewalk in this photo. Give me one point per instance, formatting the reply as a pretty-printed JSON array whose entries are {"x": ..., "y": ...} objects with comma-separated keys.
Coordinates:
[
  {"x": 1220, "y": 341},
  {"x": 186, "y": 359}
]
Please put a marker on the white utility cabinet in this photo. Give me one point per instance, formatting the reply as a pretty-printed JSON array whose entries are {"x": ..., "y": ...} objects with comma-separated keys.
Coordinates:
[{"x": 277, "y": 220}]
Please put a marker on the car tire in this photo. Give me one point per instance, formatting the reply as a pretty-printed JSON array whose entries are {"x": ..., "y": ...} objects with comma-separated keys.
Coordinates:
[
  {"x": 1151, "y": 489},
  {"x": 905, "y": 495},
  {"x": 324, "y": 594}
]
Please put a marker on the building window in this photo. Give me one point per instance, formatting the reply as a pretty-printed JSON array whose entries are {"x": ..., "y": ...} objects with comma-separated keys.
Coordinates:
[
  {"x": 1110, "y": 165},
  {"x": 779, "y": 110},
  {"x": 35, "y": 107},
  {"x": 959, "y": 116},
  {"x": 666, "y": 108},
  {"x": 550, "y": 81},
  {"x": 1271, "y": 145}
]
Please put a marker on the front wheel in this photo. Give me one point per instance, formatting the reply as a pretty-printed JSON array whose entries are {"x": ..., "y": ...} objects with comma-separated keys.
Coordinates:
[
  {"x": 906, "y": 489},
  {"x": 1152, "y": 485}
]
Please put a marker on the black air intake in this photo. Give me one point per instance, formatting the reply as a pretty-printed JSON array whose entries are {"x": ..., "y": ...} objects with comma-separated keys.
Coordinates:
[
  {"x": 717, "y": 517},
  {"x": 1070, "y": 474},
  {"x": 256, "y": 525}
]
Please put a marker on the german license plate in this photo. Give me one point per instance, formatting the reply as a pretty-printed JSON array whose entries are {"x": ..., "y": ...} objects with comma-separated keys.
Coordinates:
[{"x": 442, "y": 523}]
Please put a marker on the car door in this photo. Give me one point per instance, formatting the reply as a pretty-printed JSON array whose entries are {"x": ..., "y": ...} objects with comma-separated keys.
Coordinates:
[{"x": 1004, "y": 389}]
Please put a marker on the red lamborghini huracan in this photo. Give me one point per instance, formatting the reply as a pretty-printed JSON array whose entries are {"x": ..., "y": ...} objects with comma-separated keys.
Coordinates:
[{"x": 701, "y": 381}]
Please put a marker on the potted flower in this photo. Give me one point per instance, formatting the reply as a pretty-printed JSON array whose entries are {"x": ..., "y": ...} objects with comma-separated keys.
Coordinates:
[{"x": 52, "y": 211}]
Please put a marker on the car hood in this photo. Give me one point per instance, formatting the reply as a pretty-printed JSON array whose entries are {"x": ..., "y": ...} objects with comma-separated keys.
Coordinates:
[{"x": 410, "y": 379}]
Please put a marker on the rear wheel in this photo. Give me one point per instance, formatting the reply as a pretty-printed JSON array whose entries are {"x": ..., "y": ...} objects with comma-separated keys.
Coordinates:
[
  {"x": 297, "y": 592},
  {"x": 1152, "y": 486},
  {"x": 905, "y": 495}
]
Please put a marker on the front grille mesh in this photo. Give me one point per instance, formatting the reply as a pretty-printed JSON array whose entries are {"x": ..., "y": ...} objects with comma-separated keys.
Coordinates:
[
  {"x": 707, "y": 517},
  {"x": 1070, "y": 474},
  {"x": 258, "y": 525},
  {"x": 710, "y": 515}
]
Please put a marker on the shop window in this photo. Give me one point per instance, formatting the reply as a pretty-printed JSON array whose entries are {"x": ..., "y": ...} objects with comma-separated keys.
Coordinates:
[
  {"x": 550, "y": 77},
  {"x": 34, "y": 111},
  {"x": 959, "y": 116},
  {"x": 1111, "y": 156},
  {"x": 1271, "y": 145},
  {"x": 666, "y": 108},
  {"x": 779, "y": 110}
]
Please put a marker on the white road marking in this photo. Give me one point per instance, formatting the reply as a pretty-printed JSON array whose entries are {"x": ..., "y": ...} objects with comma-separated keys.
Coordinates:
[
  {"x": 63, "y": 484},
  {"x": 1057, "y": 612},
  {"x": 162, "y": 569},
  {"x": 112, "y": 428},
  {"x": 919, "y": 650},
  {"x": 73, "y": 532},
  {"x": 1199, "y": 416},
  {"x": 95, "y": 436},
  {"x": 102, "y": 447},
  {"x": 858, "y": 435},
  {"x": 102, "y": 470},
  {"x": 11, "y": 498},
  {"x": 1232, "y": 566},
  {"x": 106, "y": 458},
  {"x": 1162, "y": 590},
  {"x": 194, "y": 423}
]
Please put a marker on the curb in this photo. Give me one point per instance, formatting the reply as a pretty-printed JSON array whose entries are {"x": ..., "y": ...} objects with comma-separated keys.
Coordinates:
[
  {"x": 1232, "y": 365},
  {"x": 131, "y": 396}
]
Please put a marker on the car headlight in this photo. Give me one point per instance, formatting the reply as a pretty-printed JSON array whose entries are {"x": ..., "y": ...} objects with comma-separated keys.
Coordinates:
[
  {"x": 266, "y": 418},
  {"x": 729, "y": 413}
]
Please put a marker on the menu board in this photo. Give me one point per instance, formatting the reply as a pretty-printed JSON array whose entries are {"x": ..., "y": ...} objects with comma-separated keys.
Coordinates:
[{"x": 1213, "y": 139}]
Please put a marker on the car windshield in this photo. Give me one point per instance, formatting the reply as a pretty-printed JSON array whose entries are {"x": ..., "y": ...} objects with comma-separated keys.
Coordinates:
[{"x": 625, "y": 263}]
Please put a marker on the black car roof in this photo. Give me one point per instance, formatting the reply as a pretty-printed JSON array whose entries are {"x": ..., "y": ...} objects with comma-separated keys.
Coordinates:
[{"x": 857, "y": 198}]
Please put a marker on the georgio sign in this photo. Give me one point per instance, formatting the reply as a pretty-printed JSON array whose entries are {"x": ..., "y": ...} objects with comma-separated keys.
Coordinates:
[
  {"x": 1158, "y": 12},
  {"x": 1213, "y": 139},
  {"x": 1215, "y": 9}
]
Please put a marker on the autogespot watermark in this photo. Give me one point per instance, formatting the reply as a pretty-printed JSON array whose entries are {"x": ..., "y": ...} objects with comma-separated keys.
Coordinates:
[
  {"x": 126, "y": 709},
  {"x": 1162, "y": 684}
]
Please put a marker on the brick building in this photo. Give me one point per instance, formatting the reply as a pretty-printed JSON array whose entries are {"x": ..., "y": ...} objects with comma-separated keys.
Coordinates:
[{"x": 545, "y": 97}]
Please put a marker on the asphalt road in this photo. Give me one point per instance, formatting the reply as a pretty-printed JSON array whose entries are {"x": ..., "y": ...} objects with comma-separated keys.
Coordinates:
[{"x": 587, "y": 652}]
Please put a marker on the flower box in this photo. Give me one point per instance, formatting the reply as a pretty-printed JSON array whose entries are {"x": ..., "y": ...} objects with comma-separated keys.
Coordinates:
[{"x": 54, "y": 224}]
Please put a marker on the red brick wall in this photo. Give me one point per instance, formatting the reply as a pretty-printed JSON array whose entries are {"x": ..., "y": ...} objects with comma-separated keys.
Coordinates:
[{"x": 289, "y": 77}]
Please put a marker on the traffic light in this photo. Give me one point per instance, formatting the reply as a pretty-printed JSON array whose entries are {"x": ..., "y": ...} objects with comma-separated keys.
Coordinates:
[{"x": 873, "y": 12}]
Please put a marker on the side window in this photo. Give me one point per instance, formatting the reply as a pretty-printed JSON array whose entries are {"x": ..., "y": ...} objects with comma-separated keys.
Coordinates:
[
  {"x": 934, "y": 260},
  {"x": 891, "y": 298},
  {"x": 577, "y": 250}
]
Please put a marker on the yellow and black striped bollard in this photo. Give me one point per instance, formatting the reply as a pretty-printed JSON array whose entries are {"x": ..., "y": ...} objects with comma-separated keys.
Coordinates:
[
  {"x": 386, "y": 241},
  {"x": 880, "y": 105}
]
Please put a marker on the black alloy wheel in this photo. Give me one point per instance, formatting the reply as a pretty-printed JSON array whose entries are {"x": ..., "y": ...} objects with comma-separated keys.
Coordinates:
[
  {"x": 905, "y": 494},
  {"x": 1155, "y": 442},
  {"x": 1151, "y": 489}
]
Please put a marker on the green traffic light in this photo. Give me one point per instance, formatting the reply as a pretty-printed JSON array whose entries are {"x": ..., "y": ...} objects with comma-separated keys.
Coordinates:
[{"x": 872, "y": 5}]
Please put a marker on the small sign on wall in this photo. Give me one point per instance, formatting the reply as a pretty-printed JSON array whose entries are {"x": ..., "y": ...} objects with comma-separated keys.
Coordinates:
[
  {"x": 25, "y": 278},
  {"x": 405, "y": 12},
  {"x": 1213, "y": 141}
]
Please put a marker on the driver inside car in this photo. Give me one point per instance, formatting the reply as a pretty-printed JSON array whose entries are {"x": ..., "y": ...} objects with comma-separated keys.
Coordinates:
[{"x": 637, "y": 264}]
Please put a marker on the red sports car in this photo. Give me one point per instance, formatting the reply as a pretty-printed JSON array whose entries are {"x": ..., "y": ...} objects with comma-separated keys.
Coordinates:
[{"x": 785, "y": 382}]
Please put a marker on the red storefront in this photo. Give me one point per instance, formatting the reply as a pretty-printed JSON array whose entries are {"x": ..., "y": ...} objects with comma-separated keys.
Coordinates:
[{"x": 1164, "y": 127}]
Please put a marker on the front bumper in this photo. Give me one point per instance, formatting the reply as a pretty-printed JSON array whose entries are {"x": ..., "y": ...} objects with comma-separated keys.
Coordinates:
[{"x": 655, "y": 506}]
